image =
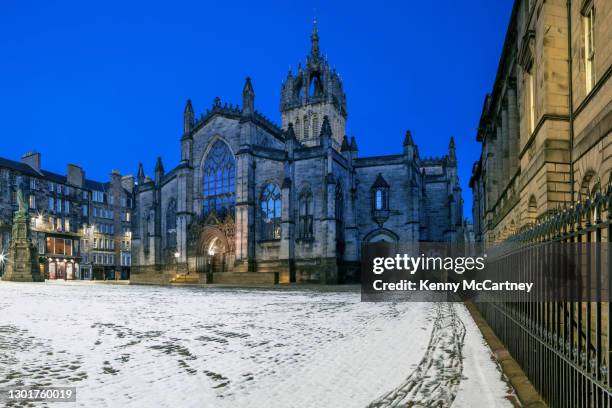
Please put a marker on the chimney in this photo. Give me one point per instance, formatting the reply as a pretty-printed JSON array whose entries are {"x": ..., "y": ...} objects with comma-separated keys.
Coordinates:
[
  {"x": 32, "y": 159},
  {"x": 127, "y": 182},
  {"x": 75, "y": 175}
]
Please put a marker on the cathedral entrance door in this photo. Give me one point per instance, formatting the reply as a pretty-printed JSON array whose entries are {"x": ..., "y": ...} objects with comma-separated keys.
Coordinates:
[{"x": 212, "y": 251}]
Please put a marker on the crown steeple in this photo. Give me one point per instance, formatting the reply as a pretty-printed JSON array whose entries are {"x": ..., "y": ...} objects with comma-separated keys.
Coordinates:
[{"x": 310, "y": 94}]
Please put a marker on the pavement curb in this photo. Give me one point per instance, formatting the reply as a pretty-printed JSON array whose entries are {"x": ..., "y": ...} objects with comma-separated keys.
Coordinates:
[{"x": 525, "y": 391}]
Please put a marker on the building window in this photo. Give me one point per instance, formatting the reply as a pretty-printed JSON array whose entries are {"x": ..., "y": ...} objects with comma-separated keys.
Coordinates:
[
  {"x": 306, "y": 135},
  {"x": 298, "y": 128},
  {"x": 32, "y": 184},
  {"x": 339, "y": 220},
  {"x": 219, "y": 180},
  {"x": 271, "y": 212},
  {"x": 305, "y": 214},
  {"x": 85, "y": 210},
  {"x": 32, "y": 201},
  {"x": 315, "y": 125},
  {"x": 380, "y": 199},
  {"x": 530, "y": 102},
  {"x": 589, "y": 46},
  {"x": 67, "y": 206},
  {"x": 58, "y": 204},
  {"x": 171, "y": 224}
]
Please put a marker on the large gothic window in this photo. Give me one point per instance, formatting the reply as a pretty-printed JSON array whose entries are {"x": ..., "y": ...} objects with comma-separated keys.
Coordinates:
[
  {"x": 171, "y": 224},
  {"x": 219, "y": 180},
  {"x": 305, "y": 215},
  {"x": 271, "y": 212},
  {"x": 339, "y": 220}
]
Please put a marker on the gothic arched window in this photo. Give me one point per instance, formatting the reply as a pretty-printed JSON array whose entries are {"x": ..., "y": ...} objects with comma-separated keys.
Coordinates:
[
  {"x": 271, "y": 212},
  {"x": 219, "y": 180},
  {"x": 339, "y": 220},
  {"x": 305, "y": 215},
  {"x": 171, "y": 224},
  {"x": 315, "y": 125},
  {"x": 306, "y": 135}
]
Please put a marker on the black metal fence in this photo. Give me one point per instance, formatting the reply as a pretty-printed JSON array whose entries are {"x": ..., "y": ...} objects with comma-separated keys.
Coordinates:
[{"x": 564, "y": 346}]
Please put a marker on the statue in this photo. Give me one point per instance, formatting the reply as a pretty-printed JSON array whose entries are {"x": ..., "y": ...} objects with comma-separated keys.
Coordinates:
[
  {"x": 23, "y": 208},
  {"x": 23, "y": 263}
]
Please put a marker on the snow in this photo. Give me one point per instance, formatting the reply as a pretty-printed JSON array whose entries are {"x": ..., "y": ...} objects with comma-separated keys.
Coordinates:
[{"x": 144, "y": 346}]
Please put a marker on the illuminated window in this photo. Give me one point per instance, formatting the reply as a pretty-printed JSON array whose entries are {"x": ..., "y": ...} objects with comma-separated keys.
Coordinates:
[
  {"x": 531, "y": 102},
  {"x": 271, "y": 212},
  {"x": 380, "y": 194},
  {"x": 589, "y": 46},
  {"x": 219, "y": 180},
  {"x": 32, "y": 201}
]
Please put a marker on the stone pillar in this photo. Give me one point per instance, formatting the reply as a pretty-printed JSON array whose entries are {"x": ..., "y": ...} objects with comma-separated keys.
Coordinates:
[
  {"x": 513, "y": 128},
  {"x": 287, "y": 245},
  {"x": 506, "y": 145},
  {"x": 245, "y": 212},
  {"x": 499, "y": 162}
]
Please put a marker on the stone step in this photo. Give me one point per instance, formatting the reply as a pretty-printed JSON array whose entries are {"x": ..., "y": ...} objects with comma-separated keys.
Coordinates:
[{"x": 184, "y": 278}]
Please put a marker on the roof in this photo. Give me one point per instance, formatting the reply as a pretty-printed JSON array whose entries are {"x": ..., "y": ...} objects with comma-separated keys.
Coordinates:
[{"x": 49, "y": 175}]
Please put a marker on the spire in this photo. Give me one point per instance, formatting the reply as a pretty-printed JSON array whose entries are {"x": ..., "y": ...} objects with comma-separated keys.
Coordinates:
[
  {"x": 140, "y": 177},
  {"x": 248, "y": 98},
  {"x": 345, "y": 147},
  {"x": 353, "y": 144},
  {"x": 314, "y": 39},
  {"x": 159, "y": 167},
  {"x": 408, "y": 139},
  {"x": 451, "y": 150},
  {"x": 188, "y": 117}
]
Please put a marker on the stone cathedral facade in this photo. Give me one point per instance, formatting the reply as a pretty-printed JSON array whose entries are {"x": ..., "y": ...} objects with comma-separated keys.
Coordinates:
[{"x": 253, "y": 202}]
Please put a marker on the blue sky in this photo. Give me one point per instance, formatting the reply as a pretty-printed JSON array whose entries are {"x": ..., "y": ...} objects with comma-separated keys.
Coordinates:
[{"x": 103, "y": 84}]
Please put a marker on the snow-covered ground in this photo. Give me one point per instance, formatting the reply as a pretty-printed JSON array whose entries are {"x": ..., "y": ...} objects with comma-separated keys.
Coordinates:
[{"x": 143, "y": 346}]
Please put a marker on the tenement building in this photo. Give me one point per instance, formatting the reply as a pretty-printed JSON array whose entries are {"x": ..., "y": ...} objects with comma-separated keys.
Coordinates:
[
  {"x": 545, "y": 127},
  {"x": 253, "y": 201},
  {"x": 80, "y": 227}
]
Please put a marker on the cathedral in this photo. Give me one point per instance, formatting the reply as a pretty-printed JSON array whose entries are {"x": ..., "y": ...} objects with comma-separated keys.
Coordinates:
[{"x": 254, "y": 202}]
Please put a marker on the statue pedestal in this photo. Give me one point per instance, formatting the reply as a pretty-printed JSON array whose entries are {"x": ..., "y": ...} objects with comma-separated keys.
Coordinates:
[
  {"x": 22, "y": 264},
  {"x": 22, "y": 256}
]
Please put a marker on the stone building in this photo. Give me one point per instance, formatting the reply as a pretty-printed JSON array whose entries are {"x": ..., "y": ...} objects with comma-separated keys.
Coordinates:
[
  {"x": 251, "y": 201},
  {"x": 545, "y": 127},
  {"x": 80, "y": 227}
]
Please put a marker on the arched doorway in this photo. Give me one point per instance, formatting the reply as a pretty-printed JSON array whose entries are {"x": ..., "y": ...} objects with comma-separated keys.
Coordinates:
[{"x": 213, "y": 252}]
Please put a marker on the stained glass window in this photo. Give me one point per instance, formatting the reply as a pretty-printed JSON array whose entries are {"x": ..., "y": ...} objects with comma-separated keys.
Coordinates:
[
  {"x": 219, "y": 180},
  {"x": 171, "y": 224},
  {"x": 271, "y": 212}
]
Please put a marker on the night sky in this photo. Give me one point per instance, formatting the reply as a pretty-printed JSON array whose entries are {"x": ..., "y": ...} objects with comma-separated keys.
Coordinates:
[{"x": 104, "y": 85}]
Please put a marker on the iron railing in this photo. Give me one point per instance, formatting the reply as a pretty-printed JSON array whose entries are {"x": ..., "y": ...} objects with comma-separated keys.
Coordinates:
[{"x": 563, "y": 345}]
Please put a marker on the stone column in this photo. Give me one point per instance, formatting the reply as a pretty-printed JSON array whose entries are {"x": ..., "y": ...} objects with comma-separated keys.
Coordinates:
[
  {"x": 506, "y": 145},
  {"x": 286, "y": 253},
  {"x": 499, "y": 162},
  {"x": 245, "y": 212},
  {"x": 513, "y": 128}
]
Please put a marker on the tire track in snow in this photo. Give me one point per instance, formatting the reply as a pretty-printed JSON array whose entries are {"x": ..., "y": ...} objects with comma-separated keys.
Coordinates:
[{"x": 435, "y": 382}]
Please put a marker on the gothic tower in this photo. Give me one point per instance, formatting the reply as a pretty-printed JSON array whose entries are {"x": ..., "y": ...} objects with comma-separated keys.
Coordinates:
[{"x": 314, "y": 92}]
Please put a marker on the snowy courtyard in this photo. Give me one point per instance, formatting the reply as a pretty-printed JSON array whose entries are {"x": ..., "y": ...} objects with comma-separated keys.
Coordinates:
[{"x": 146, "y": 346}]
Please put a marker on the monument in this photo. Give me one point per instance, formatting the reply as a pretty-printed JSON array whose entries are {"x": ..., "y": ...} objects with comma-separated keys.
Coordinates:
[{"x": 22, "y": 256}]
